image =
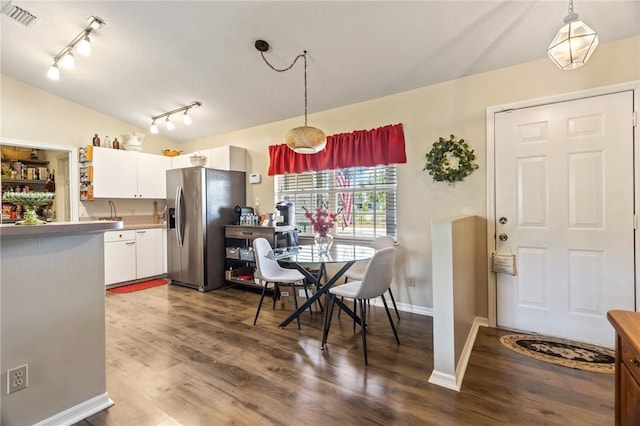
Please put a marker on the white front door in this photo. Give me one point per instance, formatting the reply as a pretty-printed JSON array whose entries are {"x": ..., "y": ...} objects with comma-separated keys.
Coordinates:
[{"x": 564, "y": 188}]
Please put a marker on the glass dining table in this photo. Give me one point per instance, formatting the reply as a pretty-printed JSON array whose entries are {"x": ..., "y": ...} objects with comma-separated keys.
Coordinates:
[{"x": 305, "y": 257}]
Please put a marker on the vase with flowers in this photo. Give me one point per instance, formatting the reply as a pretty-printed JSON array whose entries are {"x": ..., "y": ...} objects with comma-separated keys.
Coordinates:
[{"x": 322, "y": 222}]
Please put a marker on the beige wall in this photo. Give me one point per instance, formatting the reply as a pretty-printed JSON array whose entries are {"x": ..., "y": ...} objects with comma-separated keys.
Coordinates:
[{"x": 457, "y": 106}]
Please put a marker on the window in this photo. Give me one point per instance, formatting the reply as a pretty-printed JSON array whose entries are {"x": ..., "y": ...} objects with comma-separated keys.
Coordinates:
[{"x": 366, "y": 197}]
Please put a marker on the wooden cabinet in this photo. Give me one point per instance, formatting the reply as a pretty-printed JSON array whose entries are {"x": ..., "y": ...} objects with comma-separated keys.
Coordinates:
[
  {"x": 133, "y": 254},
  {"x": 129, "y": 174},
  {"x": 627, "y": 325}
]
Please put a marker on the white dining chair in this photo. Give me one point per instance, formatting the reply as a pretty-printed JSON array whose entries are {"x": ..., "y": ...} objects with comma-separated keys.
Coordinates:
[
  {"x": 269, "y": 271},
  {"x": 356, "y": 272},
  {"x": 375, "y": 282}
]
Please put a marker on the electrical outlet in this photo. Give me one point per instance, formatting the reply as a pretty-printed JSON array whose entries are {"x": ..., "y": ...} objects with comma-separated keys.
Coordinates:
[
  {"x": 411, "y": 281},
  {"x": 17, "y": 378}
]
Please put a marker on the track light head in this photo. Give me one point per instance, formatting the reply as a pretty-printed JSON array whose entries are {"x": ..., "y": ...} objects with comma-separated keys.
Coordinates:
[
  {"x": 169, "y": 123},
  {"x": 68, "y": 60},
  {"x": 186, "y": 118},
  {"x": 54, "y": 72},
  {"x": 153, "y": 128},
  {"x": 84, "y": 46}
]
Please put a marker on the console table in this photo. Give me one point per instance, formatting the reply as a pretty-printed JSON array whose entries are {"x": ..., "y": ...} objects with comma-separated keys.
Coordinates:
[{"x": 627, "y": 325}]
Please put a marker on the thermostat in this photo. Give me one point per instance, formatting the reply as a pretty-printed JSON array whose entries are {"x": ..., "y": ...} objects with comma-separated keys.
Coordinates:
[{"x": 255, "y": 178}]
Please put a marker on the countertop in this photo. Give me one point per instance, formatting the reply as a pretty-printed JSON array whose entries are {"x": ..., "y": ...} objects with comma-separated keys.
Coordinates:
[
  {"x": 627, "y": 324},
  {"x": 57, "y": 228}
]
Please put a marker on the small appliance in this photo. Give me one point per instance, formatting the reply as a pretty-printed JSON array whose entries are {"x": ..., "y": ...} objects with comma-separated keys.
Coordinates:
[{"x": 286, "y": 215}]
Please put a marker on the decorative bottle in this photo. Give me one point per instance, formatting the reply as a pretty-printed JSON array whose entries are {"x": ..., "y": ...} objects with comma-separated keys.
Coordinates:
[
  {"x": 96, "y": 140},
  {"x": 116, "y": 144},
  {"x": 107, "y": 142}
]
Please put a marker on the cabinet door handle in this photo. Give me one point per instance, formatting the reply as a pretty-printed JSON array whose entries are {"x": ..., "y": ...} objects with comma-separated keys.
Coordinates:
[
  {"x": 247, "y": 233},
  {"x": 141, "y": 232},
  {"x": 130, "y": 243},
  {"x": 635, "y": 361}
]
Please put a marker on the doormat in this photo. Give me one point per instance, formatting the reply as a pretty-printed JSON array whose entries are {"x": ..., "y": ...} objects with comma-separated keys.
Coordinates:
[
  {"x": 138, "y": 286},
  {"x": 581, "y": 356}
]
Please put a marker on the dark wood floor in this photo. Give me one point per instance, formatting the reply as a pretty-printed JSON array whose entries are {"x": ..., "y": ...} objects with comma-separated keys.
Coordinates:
[{"x": 179, "y": 357}]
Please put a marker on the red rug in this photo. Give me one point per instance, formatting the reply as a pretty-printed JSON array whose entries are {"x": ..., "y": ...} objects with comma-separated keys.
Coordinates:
[{"x": 138, "y": 286}]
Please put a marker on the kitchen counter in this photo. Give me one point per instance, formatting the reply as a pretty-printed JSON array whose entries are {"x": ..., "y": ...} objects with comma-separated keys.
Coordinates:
[
  {"x": 52, "y": 318},
  {"x": 56, "y": 228}
]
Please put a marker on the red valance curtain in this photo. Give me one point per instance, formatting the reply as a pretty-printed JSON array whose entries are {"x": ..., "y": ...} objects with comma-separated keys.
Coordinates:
[{"x": 361, "y": 148}]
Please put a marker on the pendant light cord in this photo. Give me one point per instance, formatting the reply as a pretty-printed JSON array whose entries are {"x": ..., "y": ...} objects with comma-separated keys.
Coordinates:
[{"x": 304, "y": 56}]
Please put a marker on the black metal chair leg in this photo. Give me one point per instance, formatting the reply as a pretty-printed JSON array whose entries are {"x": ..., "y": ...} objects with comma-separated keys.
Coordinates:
[
  {"x": 355, "y": 309},
  {"x": 327, "y": 320},
  {"x": 393, "y": 327},
  {"x": 276, "y": 294},
  {"x": 264, "y": 290},
  {"x": 306, "y": 293},
  {"x": 295, "y": 302},
  {"x": 393, "y": 301},
  {"x": 363, "y": 330}
]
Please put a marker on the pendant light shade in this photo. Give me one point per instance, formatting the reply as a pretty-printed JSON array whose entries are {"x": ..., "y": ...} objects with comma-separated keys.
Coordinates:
[
  {"x": 573, "y": 45},
  {"x": 304, "y": 139}
]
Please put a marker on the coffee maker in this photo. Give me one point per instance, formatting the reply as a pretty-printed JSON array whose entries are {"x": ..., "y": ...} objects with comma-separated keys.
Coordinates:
[{"x": 286, "y": 215}]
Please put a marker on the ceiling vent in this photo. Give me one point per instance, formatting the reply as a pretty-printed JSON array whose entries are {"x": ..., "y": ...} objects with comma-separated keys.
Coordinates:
[{"x": 19, "y": 14}]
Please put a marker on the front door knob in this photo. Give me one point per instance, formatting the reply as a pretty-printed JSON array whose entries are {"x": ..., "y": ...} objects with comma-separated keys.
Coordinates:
[{"x": 503, "y": 237}]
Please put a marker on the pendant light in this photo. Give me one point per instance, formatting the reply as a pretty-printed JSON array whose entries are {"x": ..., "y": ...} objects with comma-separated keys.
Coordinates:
[
  {"x": 573, "y": 45},
  {"x": 304, "y": 139}
]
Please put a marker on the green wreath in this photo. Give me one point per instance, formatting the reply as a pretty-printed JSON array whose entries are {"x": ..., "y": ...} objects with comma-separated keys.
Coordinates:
[{"x": 443, "y": 156}]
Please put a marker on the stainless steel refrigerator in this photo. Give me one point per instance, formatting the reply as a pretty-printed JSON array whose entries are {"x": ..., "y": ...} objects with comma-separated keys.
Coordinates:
[{"x": 200, "y": 202}]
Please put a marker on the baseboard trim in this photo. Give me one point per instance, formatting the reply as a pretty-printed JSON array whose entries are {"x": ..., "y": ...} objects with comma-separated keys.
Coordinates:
[
  {"x": 405, "y": 307},
  {"x": 455, "y": 382},
  {"x": 78, "y": 412}
]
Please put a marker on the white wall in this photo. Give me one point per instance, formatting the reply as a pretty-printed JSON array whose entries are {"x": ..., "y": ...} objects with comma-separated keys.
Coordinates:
[{"x": 456, "y": 106}]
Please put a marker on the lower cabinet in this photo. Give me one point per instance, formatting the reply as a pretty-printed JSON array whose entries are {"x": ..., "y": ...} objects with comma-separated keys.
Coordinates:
[{"x": 133, "y": 254}]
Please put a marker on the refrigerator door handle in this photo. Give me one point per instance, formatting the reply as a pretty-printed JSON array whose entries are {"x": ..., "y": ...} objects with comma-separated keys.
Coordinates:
[{"x": 178, "y": 210}]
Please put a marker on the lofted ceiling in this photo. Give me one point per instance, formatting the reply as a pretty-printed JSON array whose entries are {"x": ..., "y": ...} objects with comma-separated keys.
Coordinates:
[{"x": 154, "y": 56}]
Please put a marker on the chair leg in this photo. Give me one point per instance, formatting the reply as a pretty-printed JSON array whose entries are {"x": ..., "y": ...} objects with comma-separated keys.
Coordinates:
[
  {"x": 264, "y": 290},
  {"x": 393, "y": 301},
  {"x": 346, "y": 280},
  {"x": 363, "y": 329},
  {"x": 355, "y": 309},
  {"x": 276, "y": 293},
  {"x": 327, "y": 320},
  {"x": 295, "y": 302},
  {"x": 306, "y": 293},
  {"x": 393, "y": 327}
]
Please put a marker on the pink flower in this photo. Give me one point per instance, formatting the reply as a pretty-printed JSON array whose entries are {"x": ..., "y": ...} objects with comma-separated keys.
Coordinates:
[{"x": 321, "y": 220}]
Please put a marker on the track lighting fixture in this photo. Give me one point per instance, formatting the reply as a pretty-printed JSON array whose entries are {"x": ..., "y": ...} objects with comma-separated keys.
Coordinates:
[
  {"x": 81, "y": 43},
  {"x": 304, "y": 139},
  {"x": 186, "y": 118}
]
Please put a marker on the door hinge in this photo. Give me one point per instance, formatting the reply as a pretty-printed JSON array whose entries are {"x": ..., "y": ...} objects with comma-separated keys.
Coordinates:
[
  {"x": 635, "y": 221},
  {"x": 635, "y": 118}
]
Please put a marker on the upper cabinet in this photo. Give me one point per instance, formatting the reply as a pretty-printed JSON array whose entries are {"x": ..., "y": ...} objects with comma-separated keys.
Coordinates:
[
  {"x": 129, "y": 174},
  {"x": 221, "y": 158}
]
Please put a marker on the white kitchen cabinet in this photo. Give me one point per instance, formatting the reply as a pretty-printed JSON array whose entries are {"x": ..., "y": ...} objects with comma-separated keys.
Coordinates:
[
  {"x": 221, "y": 158},
  {"x": 181, "y": 161},
  {"x": 149, "y": 252},
  {"x": 129, "y": 174},
  {"x": 165, "y": 263},
  {"x": 133, "y": 254},
  {"x": 119, "y": 256},
  {"x": 226, "y": 158}
]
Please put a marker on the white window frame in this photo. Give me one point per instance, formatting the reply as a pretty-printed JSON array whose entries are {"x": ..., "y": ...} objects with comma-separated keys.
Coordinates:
[{"x": 329, "y": 191}]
